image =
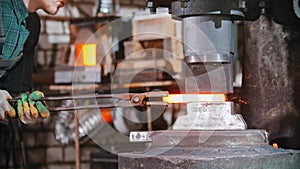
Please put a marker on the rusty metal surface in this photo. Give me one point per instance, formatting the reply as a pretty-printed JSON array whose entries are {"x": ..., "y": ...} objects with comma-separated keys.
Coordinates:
[
  {"x": 264, "y": 157},
  {"x": 270, "y": 75},
  {"x": 173, "y": 138}
]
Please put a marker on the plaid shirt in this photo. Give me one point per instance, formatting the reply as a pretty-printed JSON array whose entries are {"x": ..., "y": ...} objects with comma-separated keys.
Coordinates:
[{"x": 14, "y": 13}]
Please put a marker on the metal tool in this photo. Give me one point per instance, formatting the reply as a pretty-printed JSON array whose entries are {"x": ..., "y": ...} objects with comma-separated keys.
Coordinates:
[{"x": 119, "y": 100}]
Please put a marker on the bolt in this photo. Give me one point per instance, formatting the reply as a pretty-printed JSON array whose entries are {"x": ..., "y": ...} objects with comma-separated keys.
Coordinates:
[
  {"x": 242, "y": 4},
  {"x": 262, "y": 4},
  {"x": 263, "y": 11},
  {"x": 136, "y": 99},
  {"x": 138, "y": 136},
  {"x": 150, "y": 4},
  {"x": 184, "y": 3}
]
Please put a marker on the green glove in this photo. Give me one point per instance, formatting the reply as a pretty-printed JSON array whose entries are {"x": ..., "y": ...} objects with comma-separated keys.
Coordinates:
[
  {"x": 20, "y": 110},
  {"x": 29, "y": 109},
  {"x": 41, "y": 108}
]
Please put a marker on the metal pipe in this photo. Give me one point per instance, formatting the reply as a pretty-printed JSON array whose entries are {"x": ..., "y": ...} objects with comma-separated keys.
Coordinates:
[{"x": 77, "y": 141}]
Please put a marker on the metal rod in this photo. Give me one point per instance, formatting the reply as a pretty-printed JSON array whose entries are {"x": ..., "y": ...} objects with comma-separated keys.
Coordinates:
[
  {"x": 77, "y": 143},
  {"x": 156, "y": 103},
  {"x": 149, "y": 118},
  {"x": 123, "y": 96},
  {"x": 78, "y": 97},
  {"x": 102, "y": 106},
  {"x": 120, "y": 100},
  {"x": 57, "y": 109}
]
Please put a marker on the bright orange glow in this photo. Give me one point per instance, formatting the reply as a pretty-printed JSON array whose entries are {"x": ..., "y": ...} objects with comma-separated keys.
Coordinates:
[
  {"x": 275, "y": 145},
  {"x": 86, "y": 54},
  {"x": 106, "y": 115},
  {"x": 186, "y": 98}
]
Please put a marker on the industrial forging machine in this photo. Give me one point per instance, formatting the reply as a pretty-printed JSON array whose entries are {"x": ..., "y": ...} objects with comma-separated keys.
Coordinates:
[{"x": 211, "y": 135}]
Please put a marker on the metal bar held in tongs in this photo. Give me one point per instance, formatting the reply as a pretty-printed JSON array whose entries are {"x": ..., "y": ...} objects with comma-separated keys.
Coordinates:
[{"x": 123, "y": 100}]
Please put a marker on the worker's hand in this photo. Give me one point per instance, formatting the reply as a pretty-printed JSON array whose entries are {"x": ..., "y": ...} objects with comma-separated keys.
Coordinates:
[
  {"x": 31, "y": 110},
  {"x": 6, "y": 110}
]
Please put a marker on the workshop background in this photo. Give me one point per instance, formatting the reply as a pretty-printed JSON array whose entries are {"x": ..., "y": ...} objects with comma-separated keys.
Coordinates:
[{"x": 267, "y": 51}]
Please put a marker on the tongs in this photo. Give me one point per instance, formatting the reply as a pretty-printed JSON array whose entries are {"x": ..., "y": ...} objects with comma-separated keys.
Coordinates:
[{"x": 120, "y": 100}]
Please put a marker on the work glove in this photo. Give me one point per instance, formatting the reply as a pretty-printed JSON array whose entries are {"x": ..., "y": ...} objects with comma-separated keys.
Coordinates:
[
  {"x": 30, "y": 110},
  {"x": 6, "y": 110}
]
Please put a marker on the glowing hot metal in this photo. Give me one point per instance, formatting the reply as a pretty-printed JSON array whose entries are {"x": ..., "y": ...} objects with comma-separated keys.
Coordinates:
[{"x": 189, "y": 98}]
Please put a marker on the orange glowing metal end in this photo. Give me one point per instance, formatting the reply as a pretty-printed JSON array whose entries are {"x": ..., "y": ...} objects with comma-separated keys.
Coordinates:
[
  {"x": 186, "y": 98},
  {"x": 86, "y": 54},
  {"x": 106, "y": 115},
  {"x": 275, "y": 145}
]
